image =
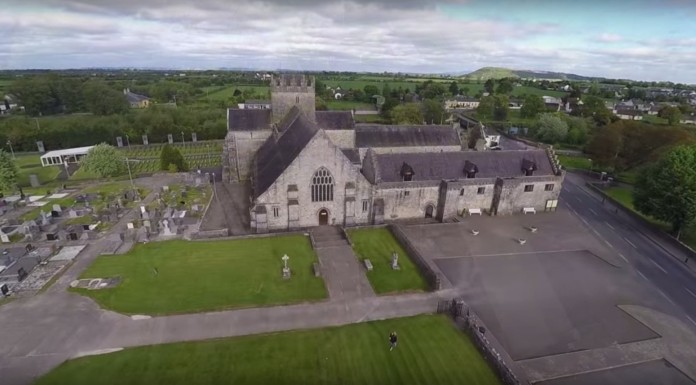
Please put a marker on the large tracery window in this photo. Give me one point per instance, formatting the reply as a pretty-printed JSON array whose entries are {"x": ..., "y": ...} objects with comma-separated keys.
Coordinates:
[{"x": 322, "y": 186}]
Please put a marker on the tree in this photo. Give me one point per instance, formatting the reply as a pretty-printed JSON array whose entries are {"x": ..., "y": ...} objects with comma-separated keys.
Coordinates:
[
  {"x": 577, "y": 129},
  {"x": 409, "y": 113},
  {"x": 237, "y": 92},
  {"x": 433, "y": 112},
  {"x": 502, "y": 107},
  {"x": 532, "y": 106},
  {"x": 104, "y": 160},
  {"x": 320, "y": 104},
  {"x": 666, "y": 190},
  {"x": 486, "y": 107},
  {"x": 170, "y": 156},
  {"x": 594, "y": 107},
  {"x": 454, "y": 88},
  {"x": 489, "y": 86},
  {"x": 8, "y": 173},
  {"x": 672, "y": 114},
  {"x": 386, "y": 90},
  {"x": 606, "y": 145},
  {"x": 464, "y": 91},
  {"x": 104, "y": 100},
  {"x": 505, "y": 86},
  {"x": 551, "y": 128},
  {"x": 370, "y": 91}
]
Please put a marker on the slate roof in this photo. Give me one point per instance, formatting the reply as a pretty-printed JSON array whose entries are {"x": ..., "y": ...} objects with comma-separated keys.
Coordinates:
[
  {"x": 450, "y": 165},
  {"x": 248, "y": 120},
  {"x": 378, "y": 135},
  {"x": 276, "y": 154},
  {"x": 135, "y": 98},
  {"x": 352, "y": 155},
  {"x": 335, "y": 120}
]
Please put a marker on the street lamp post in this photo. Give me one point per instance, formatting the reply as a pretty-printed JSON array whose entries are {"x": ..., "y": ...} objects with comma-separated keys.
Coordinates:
[
  {"x": 9, "y": 143},
  {"x": 182, "y": 137},
  {"x": 128, "y": 141}
]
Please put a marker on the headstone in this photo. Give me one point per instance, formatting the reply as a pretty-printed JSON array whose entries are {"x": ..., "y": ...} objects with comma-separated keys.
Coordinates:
[
  {"x": 147, "y": 224},
  {"x": 4, "y": 238},
  {"x": 198, "y": 181},
  {"x": 165, "y": 188},
  {"x": 55, "y": 214},
  {"x": 119, "y": 141},
  {"x": 166, "y": 230},
  {"x": 145, "y": 142},
  {"x": 5, "y": 290},
  {"x": 72, "y": 213},
  {"x": 130, "y": 225},
  {"x": 395, "y": 261},
  {"x": 194, "y": 138},
  {"x": 170, "y": 138},
  {"x": 45, "y": 221},
  {"x": 145, "y": 215},
  {"x": 56, "y": 207},
  {"x": 195, "y": 208},
  {"x": 40, "y": 145},
  {"x": 34, "y": 180},
  {"x": 21, "y": 274},
  {"x": 143, "y": 209}
]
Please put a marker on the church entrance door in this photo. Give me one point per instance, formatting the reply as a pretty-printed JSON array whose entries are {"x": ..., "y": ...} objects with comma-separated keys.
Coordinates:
[{"x": 323, "y": 217}]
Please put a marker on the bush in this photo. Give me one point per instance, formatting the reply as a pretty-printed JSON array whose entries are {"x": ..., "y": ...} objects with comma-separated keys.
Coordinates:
[
  {"x": 104, "y": 160},
  {"x": 171, "y": 156}
]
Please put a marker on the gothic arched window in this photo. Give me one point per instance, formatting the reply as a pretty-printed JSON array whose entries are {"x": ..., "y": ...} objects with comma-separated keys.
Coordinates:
[{"x": 322, "y": 186}]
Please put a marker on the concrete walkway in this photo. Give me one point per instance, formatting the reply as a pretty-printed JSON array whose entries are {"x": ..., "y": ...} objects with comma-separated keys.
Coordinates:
[{"x": 344, "y": 276}]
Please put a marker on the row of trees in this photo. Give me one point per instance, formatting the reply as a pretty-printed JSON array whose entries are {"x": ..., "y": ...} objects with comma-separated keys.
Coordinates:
[{"x": 76, "y": 131}]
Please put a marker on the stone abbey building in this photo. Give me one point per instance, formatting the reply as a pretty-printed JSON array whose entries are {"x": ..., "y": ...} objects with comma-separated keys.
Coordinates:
[{"x": 310, "y": 168}]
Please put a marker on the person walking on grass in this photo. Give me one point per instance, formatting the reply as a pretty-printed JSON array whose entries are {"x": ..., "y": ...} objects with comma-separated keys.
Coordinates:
[{"x": 392, "y": 341}]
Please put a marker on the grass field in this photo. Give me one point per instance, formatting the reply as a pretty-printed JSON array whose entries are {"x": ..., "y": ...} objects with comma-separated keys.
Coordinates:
[
  {"x": 28, "y": 164},
  {"x": 625, "y": 196},
  {"x": 225, "y": 93},
  {"x": 377, "y": 245},
  {"x": 430, "y": 351},
  {"x": 341, "y": 105},
  {"x": 370, "y": 119},
  {"x": 579, "y": 162},
  {"x": 207, "y": 276}
]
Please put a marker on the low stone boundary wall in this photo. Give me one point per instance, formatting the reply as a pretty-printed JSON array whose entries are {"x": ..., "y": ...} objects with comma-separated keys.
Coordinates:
[
  {"x": 486, "y": 343},
  {"x": 431, "y": 277},
  {"x": 210, "y": 234},
  {"x": 658, "y": 231}
]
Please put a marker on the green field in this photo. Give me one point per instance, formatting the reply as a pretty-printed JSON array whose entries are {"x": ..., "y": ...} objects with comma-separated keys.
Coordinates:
[
  {"x": 625, "y": 196},
  {"x": 342, "y": 105},
  {"x": 579, "y": 162},
  {"x": 377, "y": 119},
  {"x": 28, "y": 164},
  {"x": 207, "y": 276},
  {"x": 360, "y": 84},
  {"x": 226, "y": 93},
  {"x": 377, "y": 245},
  {"x": 430, "y": 351}
]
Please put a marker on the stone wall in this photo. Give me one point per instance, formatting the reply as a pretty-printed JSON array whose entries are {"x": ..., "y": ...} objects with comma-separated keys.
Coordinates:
[
  {"x": 513, "y": 198},
  {"x": 431, "y": 277},
  {"x": 409, "y": 199},
  {"x": 464, "y": 195},
  {"x": 342, "y": 138},
  {"x": 291, "y": 192},
  {"x": 286, "y": 93}
]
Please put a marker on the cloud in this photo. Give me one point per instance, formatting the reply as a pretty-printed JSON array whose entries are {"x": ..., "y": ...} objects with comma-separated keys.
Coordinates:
[
  {"x": 356, "y": 35},
  {"x": 609, "y": 38}
]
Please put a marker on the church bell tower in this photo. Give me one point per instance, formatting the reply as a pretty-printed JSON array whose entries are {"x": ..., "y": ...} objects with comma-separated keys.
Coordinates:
[{"x": 288, "y": 90}]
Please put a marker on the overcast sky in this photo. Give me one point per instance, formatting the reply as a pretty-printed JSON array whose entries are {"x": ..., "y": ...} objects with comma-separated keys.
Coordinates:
[{"x": 637, "y": 39}]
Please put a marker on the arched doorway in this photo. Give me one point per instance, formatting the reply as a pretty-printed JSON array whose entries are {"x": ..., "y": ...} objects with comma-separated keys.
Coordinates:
[
  {"x": 429, "y": 211},
  {"x": 323, "y": 217}
]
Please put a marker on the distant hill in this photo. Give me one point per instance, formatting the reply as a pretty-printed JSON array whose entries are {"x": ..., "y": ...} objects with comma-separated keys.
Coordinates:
[{"x": 486, "y": 73}]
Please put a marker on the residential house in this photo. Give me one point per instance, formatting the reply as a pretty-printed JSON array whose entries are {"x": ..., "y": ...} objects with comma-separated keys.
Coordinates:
[
  {"x": 627, "y": 114},
  {"x": 463, "y": 102},
  {"x": 688, "y": 119},
  {"x": 135, "y": 100}
]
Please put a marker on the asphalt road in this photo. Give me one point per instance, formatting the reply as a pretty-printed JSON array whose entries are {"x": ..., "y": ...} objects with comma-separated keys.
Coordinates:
[{"x": 632, "y": 242}]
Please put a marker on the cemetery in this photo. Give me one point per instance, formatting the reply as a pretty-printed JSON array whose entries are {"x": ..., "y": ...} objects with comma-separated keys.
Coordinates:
[
  {"x": 388, "y": 266},
  {"x": 431, "y": 351},
  {"x": 181, "y": 276}
]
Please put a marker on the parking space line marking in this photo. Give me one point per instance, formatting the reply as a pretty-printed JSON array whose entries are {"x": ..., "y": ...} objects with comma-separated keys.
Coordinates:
[
  {"x": 595, "y": 231},
  {"x": 658, "y": 265},
  {"x": 644, "y": 277},
  {"x": 690, "y": 292},
  {"x": 610, "y": 226},
  {"x": 509, "y": 254},
  {"x": 666, "y": 297},
  {"x": 630, "y": 243},
  {"x": 584, "y": 221},
  {"x": 608, "y": 244},
  {"x": 691, "y": 319},
  {"x": 622, "y": 257},
  {"x": 593, "y": 212}
]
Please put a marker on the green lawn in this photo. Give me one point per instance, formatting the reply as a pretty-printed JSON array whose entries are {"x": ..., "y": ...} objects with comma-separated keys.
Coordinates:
[
  {"x": 207, "y": 276},
  {"x": 378, "y": 119},
  {"x": 28, "y": 164},
  {"x": 625, "y": 196},
  {"x": 341, "y": 105},
  {"x": 579, "y": 162},
  {"x": 430, "y": 351},
  {"x": 377, "y": 245}
]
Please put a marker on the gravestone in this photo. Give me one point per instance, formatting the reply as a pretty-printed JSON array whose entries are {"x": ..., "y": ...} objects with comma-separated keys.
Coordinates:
[
  {"x": 21, "y": 274},
  {"x": 194, "y": 137},
  {"x": 145, "y": 142},
  {"x": 166, "y": 230},
  {"x": 119, "y": 141},
  {"x": 130, "y": 225},
  {"x": 165, "y": 188},
  {"x": 45, "y": 221},
  {"x": 145, "y": 215},
  {"x": 34, "y": 180},
  {"x": 5, "y": 290},
  {"x": 395, "y": 261},
  {"x": 4, "y": 238},
  {"x": 40, "y": 146},
  {"x": 170, "y": 138},
  {"x": 198, "y": 181},
  {"x": 147, "y": 224},
  {"x": 56, "y": 207}
]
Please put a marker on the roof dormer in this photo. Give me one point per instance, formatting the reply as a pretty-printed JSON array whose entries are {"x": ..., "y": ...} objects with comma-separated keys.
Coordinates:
[
  {"x": 470, "y": 169},
  {"x": 528, "y": 167},
  {"x": 406, "y": 172}
]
